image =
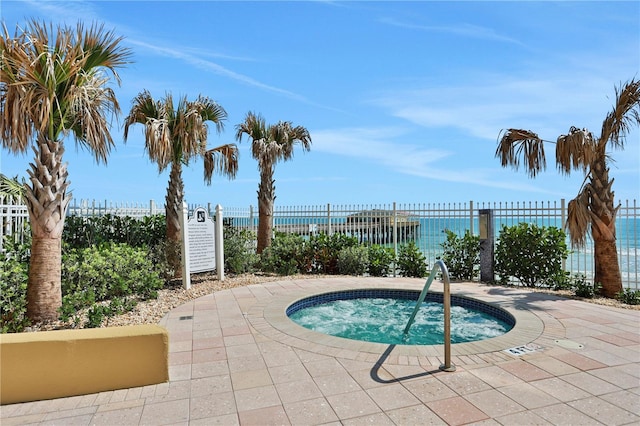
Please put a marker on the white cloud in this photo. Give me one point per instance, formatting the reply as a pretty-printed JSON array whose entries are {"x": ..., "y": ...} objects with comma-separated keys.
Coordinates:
[
  {"x": 382, "y": 146},
  {"x": 459, "y": 29},
  {"x": 547, "y": 106}
]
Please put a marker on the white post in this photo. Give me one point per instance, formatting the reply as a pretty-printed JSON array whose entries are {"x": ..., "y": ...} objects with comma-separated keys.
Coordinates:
[
  {"x": 219, "y": 243},
  {"x": 186, "y": 275}
]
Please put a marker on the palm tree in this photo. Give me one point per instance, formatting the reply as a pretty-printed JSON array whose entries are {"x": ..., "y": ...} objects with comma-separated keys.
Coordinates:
[
  {"x": 174, "y": 136},
  {"x": 269, "y": 145},
  {"x": 52, "y": 84},
  {"x": 594, "y": 206}
]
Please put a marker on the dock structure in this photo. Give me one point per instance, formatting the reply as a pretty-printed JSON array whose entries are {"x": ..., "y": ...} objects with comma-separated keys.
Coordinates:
[{"x": 375, "y": 226}]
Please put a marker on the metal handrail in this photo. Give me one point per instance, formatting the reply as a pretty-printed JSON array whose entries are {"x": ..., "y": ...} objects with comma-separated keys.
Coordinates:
[{"x": 446, "y": 302}]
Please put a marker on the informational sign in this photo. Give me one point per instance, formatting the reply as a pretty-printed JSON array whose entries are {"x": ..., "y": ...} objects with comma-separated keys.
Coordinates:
[{"x": 202, "y": 241}]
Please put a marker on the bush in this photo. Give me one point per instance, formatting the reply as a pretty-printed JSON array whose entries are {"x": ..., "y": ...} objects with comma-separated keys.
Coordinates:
[
  {"x": 582, "y": 288},
  {"x": 411, "y": 262},
  {"x": 353, "y": 260},
  {"x": 380, "y": 260},
  {"x": 239, "y": 250},
  {"x": 461, "y": 255},
  {"x": 83, "y": 232},
  {"x": 532, "y": 254},
  {"x": 116, "y": 272},
  {"x": 285, "y": 255},
  {"x": 630, "y": 297},
  {"x": 14, "y": 276},
  {"x": 325, "y": 249}
]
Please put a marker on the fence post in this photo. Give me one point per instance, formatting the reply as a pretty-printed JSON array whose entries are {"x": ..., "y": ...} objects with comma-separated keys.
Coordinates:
[
  {"x": 563, "y": 219},
  {"x": 219, "y": 243},
  {"x": 395, "y": 228},
  {"x": 328, "y": 218},
  {"x": 485, "y": 219},
  {"x": 471, "y": 217},
  {"x": 186, "y": 274}
]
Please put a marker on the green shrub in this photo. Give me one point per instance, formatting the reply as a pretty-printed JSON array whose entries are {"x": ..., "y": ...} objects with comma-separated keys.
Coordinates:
[
  {"x": 411, "y": 261},
  {"x": 285, "y": 254},
  {"x": 630, "y": 297},
  {"x": 582, "y": 288},
  {"x": 14, "y": 275},
  {"x": 325, "y": 249},
  {"x": 109, "y": 271},
  {"x": 239, "y": 250},
  {"x": 533, "y": 254},
  {"x": 462, "y": 255},
  {"x": 563, "y": 281},
  {"x": 353, "y": 260},
  {"x": 83, "y": 232},
  {"x": 380, "y": 260}
]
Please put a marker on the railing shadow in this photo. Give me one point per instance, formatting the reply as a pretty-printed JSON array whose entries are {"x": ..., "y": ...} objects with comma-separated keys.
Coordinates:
[{"x": 373, "y": 373}]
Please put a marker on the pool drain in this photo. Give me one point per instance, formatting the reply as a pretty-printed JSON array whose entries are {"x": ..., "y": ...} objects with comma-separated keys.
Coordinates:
[{"x": 568, "y": 344}]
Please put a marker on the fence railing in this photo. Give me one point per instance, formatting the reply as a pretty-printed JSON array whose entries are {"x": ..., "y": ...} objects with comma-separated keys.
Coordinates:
[{"x": 393, "y": 224}]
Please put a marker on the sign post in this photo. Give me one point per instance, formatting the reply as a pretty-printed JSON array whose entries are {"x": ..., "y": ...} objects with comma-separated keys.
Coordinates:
[
  {"x": 219, "y": 244},
  {"x": 186, "y": 275}
]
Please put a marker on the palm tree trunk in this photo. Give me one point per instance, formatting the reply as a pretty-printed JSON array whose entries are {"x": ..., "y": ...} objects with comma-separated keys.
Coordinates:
[
  {"x": 603, "y": 229},
  {"x": 47, "y": 202},
  {"x": 607, "y": 271},
  {"x": 266, "y": 197},
  {"x": 173, "y": 210}
]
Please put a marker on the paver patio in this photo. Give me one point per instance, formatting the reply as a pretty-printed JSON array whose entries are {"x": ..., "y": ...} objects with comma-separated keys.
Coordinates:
[{"x": 235, "y": 359}]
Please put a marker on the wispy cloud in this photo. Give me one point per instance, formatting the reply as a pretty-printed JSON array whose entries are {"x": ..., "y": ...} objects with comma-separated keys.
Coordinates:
[
  {"x": 74, "y": 10},
  {"x": 546, "y": 106},
  {"x": 461, "y": 29},
  {"x": 198, "y": 61},
  {"x": 382, "y": 146}
]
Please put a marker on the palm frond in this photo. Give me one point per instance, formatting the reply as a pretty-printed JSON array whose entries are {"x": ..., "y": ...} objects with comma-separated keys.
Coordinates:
[
  {"x": 54, "y": 84},
  {"x": 516, "y": 143},
  {"x": 579, "y": 218},
  {"x": 575, "y": 150},
  {"x": 625, "y": 114},
  {"x": 12, "y": 187},
  {"x": 223, "y": 159}
]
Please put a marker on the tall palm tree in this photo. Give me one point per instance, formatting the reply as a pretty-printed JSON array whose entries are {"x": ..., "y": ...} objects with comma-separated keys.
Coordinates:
[
  {"x": 269, "y": 145},
  {"x": 54, "y": 83},
  {"x": 174, "y": 135},
  {"x": 593, "y": 208}
]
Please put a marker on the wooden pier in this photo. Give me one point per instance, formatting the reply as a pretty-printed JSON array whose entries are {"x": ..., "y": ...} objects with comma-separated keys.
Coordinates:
[{"x": 372, "y": 226}]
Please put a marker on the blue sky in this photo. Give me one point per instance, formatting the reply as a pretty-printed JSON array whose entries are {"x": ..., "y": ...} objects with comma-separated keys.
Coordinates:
[{"x": 404, "y": 101}]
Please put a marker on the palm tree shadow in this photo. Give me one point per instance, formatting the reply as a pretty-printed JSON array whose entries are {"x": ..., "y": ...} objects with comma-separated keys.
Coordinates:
[
  {"x": 375, "y": 376},
  {"x": 520, "y": 298}
]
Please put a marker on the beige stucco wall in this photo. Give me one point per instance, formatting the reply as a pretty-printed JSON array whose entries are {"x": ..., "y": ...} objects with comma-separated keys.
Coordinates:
[{"x": 54, "y": 364}]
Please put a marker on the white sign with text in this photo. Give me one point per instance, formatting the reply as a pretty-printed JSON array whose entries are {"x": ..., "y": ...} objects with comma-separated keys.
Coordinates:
[{"x": 202, "y": 241}]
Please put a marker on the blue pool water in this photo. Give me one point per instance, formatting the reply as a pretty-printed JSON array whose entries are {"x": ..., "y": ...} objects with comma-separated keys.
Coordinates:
[{"x": 383, "y": 319}]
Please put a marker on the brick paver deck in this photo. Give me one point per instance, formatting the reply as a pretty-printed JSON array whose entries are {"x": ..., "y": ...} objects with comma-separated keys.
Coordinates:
[{"x": 236, "y": 359}]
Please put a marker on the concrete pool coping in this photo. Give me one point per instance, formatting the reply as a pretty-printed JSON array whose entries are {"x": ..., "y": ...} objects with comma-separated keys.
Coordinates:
[{"x": 270, "y": 318}]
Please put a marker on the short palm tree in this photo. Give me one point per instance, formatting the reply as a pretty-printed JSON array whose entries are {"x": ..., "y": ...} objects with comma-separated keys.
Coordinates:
[
  {"x": 593, "y": 208},
  {"x": 269, "y": 145},
  {"x": 174, "y": 135},
  {"x": 53, "y": 83}
]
